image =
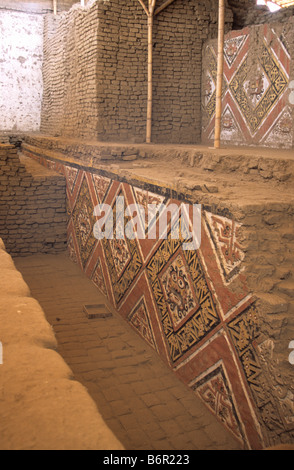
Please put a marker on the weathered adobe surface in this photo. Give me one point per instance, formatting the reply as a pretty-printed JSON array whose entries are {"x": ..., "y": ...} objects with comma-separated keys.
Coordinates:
[
  {"x": 33, "y": 215},
  {"x": 253, "y": 186},
  {"x": 95, "y": 70},
  {"x": 42, "y": 6},
  {"x": 42, "y": 407},
  {"x": 246, "y": 13},
  {"x": 253, "y": 165}
]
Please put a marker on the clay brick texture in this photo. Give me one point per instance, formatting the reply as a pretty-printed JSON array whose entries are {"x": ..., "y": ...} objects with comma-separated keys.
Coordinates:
[
  {"x": 95, "y": 71},
  {"x": 32, "y": 207}
]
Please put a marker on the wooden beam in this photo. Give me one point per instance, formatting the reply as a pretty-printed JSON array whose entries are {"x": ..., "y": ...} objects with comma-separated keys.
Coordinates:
[
  {"x": 220, "y": 68},
  {"x": 143, "y": 6},
  {"x": 55, "y": 7},
  {"x": 152, "y": 4},
  {"x": 163, "y": 6}
]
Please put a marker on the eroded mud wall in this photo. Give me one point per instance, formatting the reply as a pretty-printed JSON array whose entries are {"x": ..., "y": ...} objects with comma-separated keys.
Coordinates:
[
  {"x": 95, "y": 70},
  {"x": 21, "y": 52}
]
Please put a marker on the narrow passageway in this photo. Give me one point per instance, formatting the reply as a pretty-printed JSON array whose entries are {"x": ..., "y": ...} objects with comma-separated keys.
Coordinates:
[{"x": 140, "y": 399}]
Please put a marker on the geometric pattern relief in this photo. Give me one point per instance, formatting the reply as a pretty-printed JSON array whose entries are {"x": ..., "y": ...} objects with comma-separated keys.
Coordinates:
[
  {"x": 98, "y": 279},
  {"x": 83, "y": 222},
  {"x": 101, "y": 184},
  {"x": 71, "y": 249},
  {"x": 255, "y": 85},
  {"x": 120, "y": 254},
  {"x": 186, "y": 306},
  {"x": 139, "y": 319},
  {"x": 232, "y": 48},
  {"x": 230, "y": 127},
  {"x": 209, "y": 91},
  {"x": 123, "y": 260},
  {"x": 281, "y": 132},
  {"x": 148, "y": 200},
  {"x": 284, "y": 395},
  {"x": 215, "y": 391},
  {"x": 244, "y": 331},
  {"x": 225, "y": 236},
  {"x": 257, "y": 96},
  {"x": 71, "y": 174},
  {"x": 176, "y": 285}
]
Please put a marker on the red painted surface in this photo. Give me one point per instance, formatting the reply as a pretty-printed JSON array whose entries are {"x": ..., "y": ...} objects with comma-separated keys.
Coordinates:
[{"x": 192, "y": 307}]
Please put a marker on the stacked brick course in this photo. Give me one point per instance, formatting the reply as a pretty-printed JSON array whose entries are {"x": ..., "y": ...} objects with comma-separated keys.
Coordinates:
[
  {"x": 95, "y": 71},
  {"x": 32, "y": 208},
  {"x": 69, "y": 70}
]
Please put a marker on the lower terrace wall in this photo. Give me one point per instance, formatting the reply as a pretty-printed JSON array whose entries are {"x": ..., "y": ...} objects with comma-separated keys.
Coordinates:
[
  {"x": 33, "y": 216},
  {"x": 219, "y": 316},
  {"x": 42, "y": 407},
  {"x": 258, "y": 89}
]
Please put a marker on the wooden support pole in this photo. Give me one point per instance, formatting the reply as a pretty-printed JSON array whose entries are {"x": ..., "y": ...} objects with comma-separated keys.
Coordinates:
[
  {"x": 143, "y": 6},
  {"x": 150, "y": 81},
  {"x": 163, "y": 6},
  {"x": 151, "y": 6},
  {"x": 151, "y": 12},
  {"x": 55, "y": 7},
  {"x": 220, "y": 68}
]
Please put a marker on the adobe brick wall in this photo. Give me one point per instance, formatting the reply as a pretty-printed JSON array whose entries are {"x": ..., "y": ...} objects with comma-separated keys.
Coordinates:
[
  {"x": 95, "y": 70},
  {"x": 69, "y": 70},
  {"x": 32, "y": 207}
]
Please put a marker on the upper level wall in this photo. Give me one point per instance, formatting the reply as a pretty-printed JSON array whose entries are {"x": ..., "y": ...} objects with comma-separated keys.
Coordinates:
[
  {"x": 21, "y": 53},
  {"x": 33, "y": 6},
  {"x": 69, "y": 72},
  {"x": 95, "y": 70},
  {"x": 261, "y": 15},
  {"x": 247, "y": 12},
  {"x": 21, "y": 59}
]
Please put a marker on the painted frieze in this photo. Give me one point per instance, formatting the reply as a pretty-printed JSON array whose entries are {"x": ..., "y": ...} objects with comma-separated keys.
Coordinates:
[{"x": 256, "y": 107}]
